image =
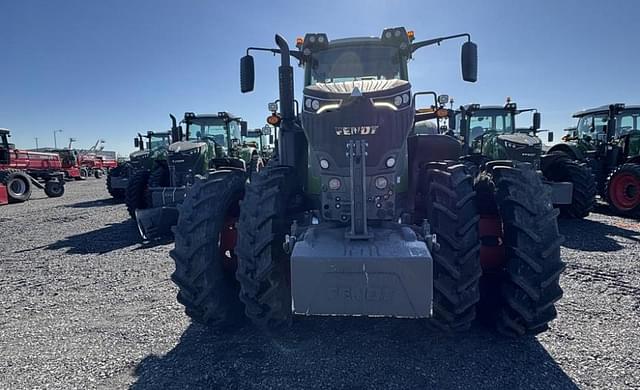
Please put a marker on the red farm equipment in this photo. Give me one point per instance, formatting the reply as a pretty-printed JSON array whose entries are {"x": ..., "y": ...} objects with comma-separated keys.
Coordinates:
[{"x": 21, "y": 170}]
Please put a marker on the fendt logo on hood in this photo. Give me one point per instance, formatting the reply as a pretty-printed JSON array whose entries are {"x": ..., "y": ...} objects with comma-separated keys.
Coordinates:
[{"x": 356, "y": 130}]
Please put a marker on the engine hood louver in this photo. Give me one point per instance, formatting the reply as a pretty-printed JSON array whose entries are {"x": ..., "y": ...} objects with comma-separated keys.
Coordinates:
[
  {"x": 522, "y": 139},
  {"x": 370, "y": 88},
  {"x": 184, "y": 146},
  {"x": 139, "y": 154}
]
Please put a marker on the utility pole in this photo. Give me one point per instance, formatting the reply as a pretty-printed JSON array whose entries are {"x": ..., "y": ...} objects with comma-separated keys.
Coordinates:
[
  {"x": 36, "y": 143},
  {"x": 55, "y": 143}
]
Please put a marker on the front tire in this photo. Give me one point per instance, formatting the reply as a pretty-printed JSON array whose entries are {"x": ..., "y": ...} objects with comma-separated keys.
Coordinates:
[
  {"x": 583, "y": 199},
  {"x": 136, "y": 193},
  {"x": 263, "y": 266},
  {"x": 204, "y": 250},
  {"x": 54, "y": 189},
  {"x": 453, "y": 217}
]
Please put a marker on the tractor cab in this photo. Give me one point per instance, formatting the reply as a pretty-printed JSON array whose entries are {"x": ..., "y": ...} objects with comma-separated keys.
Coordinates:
[{"x": 624, "y": 138}]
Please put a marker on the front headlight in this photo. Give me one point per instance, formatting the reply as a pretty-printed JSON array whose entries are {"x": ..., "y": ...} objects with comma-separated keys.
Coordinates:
[
  {"x": 511, "y": 145},
  {"x": 397, "y": 102},
  {"x": 319, "y": 106}
]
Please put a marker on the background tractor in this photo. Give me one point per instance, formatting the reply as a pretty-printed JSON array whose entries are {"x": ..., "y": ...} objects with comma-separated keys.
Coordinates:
[
  {"x": 21, "y": 170},
  {"x": 607, "y": 138},
  {"x": 328, "y": 228},
  {"x": 210, "y": 142},
  {"x": 143, "y": 159},
  {"x": 490, "y": 133}
]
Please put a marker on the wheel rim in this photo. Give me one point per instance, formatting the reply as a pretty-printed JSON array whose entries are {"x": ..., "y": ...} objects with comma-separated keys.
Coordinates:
[
  {"x": 624, "y": 191},
  {"x": 18, "y": 187}
]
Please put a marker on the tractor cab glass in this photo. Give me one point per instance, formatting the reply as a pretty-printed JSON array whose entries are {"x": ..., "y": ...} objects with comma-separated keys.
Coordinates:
[
  {"x": 487, "y": 121},
  {"x": 592, "y": 126},
  {"x": 158, "y": 141},
  {"x": 627, "y": 122},
  {"x": 234, "y": 130},
  {"x": 212, "y": 129},
  {"x": 354, "y": 63},
  {"x": 4, "y": 149}
]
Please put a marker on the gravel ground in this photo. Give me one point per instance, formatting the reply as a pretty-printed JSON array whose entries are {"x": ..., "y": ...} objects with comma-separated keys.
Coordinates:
[{"x": 85, "y": 305}]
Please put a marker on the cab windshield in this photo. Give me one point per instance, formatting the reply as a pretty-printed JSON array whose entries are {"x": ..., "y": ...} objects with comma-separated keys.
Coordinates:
[
  {"x": 627, "y": 121},
  {"x": 353, "y": 63},
  {"x": 157, "y": 141},
  {"x": 209, "y": 129},
  {"x": 592, "y": 126},
  {"x": 488, "y": 120}
]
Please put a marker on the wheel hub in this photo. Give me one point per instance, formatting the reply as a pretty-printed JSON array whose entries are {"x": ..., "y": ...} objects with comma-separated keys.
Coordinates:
[{"x": 18, "y": 187}]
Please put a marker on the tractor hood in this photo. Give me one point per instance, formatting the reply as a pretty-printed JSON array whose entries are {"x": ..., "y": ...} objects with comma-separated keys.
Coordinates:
[
  {"x": 370, "y": 88},
  {"x": 138, "y": 154},
  {"x": 185, "y": 146},
  {"x": 520, "y": 139}
]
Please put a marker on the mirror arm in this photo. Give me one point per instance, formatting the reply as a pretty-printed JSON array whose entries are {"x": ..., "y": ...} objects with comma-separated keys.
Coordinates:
[
  {"x": 293, "y": 53},
  {"x": 437, "y": 41}
]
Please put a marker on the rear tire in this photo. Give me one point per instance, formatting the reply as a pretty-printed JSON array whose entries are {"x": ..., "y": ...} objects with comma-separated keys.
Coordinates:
[
  {"x": 622, "y": 190},
  {"x": 584, "y": 185},
  {"x": 116, "y": 193},
  {"x": 97, "y": 173},
  {"x": 263, "y": 266},
  {"x": 529, "y": 282},
  {"x": 54, "y": 189},
  {"x": 454, "y": 218},
  {"x": 18, "y": 185},
  {"x": 136, "y": 193},
  {"x": 205, "y": 262}
]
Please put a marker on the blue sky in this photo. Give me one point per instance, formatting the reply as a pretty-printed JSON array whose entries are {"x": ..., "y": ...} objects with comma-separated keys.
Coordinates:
[{"x": 109, "y": 69}]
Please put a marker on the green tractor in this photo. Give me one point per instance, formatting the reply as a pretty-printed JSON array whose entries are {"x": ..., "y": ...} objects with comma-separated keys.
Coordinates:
[
  {"x": 328, "y": 227},
  {"x": 607, "y": 138},
  {"x": 143, "y": 159},
  {"x": 490, "y": 133},
  {"x": 210, "y": 142}
]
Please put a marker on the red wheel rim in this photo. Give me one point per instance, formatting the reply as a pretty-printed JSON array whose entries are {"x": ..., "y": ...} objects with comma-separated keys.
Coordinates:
[
  {"x": 624, "y": 191},
  {"x": 228, "y": 239}
]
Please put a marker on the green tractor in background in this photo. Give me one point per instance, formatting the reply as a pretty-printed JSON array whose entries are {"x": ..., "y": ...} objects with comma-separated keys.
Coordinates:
[
  {"x": 152, "y": 150},
  {"x": 489, "y": 133},
  {"x": 209, "y": 143},
  {"x": 607, "y": 138}
]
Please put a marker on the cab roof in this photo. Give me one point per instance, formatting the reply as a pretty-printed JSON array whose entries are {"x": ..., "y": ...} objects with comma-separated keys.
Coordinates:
[{"x": 602, "y": 110}]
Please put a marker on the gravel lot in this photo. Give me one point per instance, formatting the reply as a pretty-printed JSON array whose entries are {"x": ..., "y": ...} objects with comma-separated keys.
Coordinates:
[{"x": 85, "y": 305}]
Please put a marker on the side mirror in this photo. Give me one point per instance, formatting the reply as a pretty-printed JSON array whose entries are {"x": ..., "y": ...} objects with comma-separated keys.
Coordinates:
[
  {"x": 451, "y": 120},
  {"x": 136, "y": 142},
  {"x": 247, "y": 74},
  {"x": 469, "y": 62},
  {"x": 270, "y": 139},
  {"x": 550, "y": 136},
  {"x": 243, "y": 128},
  {"x": 536, "y": 121}
]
